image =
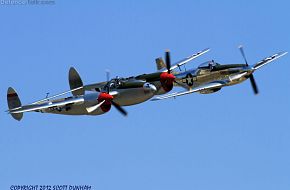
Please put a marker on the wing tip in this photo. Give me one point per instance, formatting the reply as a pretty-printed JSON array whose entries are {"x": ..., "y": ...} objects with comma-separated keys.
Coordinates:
[{"x": 283, "y": 53}]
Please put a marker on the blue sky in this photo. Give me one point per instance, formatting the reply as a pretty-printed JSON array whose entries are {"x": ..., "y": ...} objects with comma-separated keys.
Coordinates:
[{"x": 228, "y": 140}]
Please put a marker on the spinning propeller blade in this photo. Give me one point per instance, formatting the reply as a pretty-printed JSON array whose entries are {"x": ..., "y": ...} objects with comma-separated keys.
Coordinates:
[
  {"x": 119, "y": 108},
  {"x": 167, "y": 60},
  {"x": 95, "y": 107},
  {"x": 252, "y": 79},
  {"x": 107, "y": 99},
  {"x": 243, "y": 54},
  {"x": 254, "y": 85}
]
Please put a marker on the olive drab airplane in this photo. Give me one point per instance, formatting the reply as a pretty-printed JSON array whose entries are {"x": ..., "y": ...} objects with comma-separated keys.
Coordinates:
[
  {"x": 117, "y": 92},
  {"x": 210, "y": 77}
]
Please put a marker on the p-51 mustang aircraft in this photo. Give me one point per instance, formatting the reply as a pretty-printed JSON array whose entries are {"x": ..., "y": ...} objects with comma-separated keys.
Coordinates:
[
  {"x": 117, "y": 92},
  {"x": 210, "y": 77}
]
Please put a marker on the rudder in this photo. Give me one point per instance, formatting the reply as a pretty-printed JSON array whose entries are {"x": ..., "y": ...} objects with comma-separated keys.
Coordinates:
[
  {"x": 75, "y": 81},
  {"x": 14, "y": 102},
  {"x": 160, "y": 63}
]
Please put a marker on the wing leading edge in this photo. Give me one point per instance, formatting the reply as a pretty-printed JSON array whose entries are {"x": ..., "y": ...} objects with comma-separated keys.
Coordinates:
[
  {"x": 208, "y": 86},
  {"x": 188, "y": 59},
  {"x": 268, "y": 60}
]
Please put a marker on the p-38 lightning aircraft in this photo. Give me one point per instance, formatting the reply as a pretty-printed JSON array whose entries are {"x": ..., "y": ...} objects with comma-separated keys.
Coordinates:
[
  {"x": 117, "y": 92},
  {"x": 210, "y": 77}
]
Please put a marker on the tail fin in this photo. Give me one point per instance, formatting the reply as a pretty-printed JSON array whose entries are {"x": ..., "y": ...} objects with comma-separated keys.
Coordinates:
[
  {"x": 160, "y": 63},
  {"x": 75, "y": 81},
  {"x": 14, "y": 102}
]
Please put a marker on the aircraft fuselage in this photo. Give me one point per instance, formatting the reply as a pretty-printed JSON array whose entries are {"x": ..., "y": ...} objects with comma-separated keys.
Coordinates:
[
  {"x": 234, "y": 74},
  {"x": 124, "y": 97}
]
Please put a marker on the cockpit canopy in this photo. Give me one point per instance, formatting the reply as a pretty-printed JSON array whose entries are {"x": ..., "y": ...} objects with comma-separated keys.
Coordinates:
[
  {"x": 208, "y": 65},
  {"x": 116, "y": 82},
  {"x": 130, "y": 82}
]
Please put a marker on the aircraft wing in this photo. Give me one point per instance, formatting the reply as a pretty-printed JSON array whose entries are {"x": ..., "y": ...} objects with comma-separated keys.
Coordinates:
[
  {"x": 268, "y": 60},
  {"x": 187, "y": 59},
  {"x": 39, "y": 107},
  {"x": 93, "y": 87},
  {"x": 57, "y": 95},
  {"x": 212, "y": 85}
]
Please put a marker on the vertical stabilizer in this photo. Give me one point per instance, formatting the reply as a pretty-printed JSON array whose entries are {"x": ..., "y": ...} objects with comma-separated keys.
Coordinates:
[
  {"x": 75, "y": 81},
  {"x": 160, "y": 63},
  {"x": 14, "y": 102}
]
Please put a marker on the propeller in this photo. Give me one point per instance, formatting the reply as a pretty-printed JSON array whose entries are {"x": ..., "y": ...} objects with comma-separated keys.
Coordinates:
[
  {"x": 252, "y": 79},
  {"x": 168, "y": 61},
  {"x": 167, "y": 78},
  {"x": 119, "y": 108},
  {"x": 254, "y": 85},
  {"x": 93, "y": 108},
  {"x": 105, "y": 100},
  {"x": 243, "y": 54}
]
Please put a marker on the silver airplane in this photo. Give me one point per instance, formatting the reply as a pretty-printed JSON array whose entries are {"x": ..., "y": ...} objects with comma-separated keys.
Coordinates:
[
  {"x": 95, "y": 103},
  {"x": 211, "y": 77},
  {"x": 117, "y": 92},
  {"x": 163, "y": 80}
]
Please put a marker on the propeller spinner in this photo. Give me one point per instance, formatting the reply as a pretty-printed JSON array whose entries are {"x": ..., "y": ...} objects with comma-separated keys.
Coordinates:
[
  {"x": 105, "y": 100},
  {"x": 167, "y": 78}
]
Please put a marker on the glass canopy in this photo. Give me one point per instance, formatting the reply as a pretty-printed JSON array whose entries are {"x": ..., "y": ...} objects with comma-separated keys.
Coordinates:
[{"x": 208, "y": 65}]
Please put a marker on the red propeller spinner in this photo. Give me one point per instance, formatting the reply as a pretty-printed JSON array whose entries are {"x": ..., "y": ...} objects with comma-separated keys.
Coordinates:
[
  {"x": 106, "y": 106},
  {"x": 105, "y": 101},
  {"x": 167, "y": 78}
]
